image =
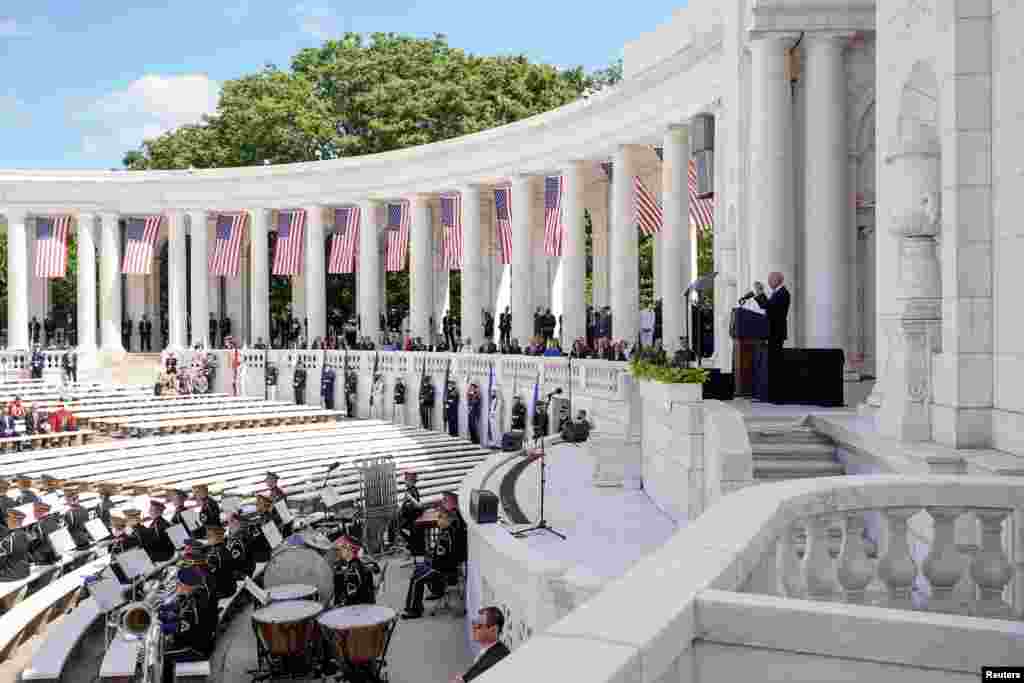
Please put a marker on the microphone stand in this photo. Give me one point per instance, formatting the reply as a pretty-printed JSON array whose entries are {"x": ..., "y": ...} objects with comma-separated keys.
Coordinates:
[{"x": 542, "y": 524}]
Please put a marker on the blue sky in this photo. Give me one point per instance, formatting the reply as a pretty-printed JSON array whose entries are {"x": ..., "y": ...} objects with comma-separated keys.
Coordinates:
[{"x": 85, "y": 81}]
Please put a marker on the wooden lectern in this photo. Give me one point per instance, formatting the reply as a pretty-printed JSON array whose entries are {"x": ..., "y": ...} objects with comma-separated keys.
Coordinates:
[{"x": 749, "y": 329}]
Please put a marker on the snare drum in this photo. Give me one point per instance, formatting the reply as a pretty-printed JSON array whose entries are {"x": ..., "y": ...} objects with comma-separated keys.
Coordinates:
[
  {"x": 293, "y": 591},
  {"x": 358, "y": 636},
  {"x": 285, "y": 629}
]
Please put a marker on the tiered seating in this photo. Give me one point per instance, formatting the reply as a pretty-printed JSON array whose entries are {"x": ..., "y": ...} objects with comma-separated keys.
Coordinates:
[{"x": 220, "y": 418}]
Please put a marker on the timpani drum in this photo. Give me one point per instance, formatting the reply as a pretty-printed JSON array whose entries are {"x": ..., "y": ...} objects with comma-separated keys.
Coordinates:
[
  {"x": 298, "y": 564},
  {"x": 293, "y": 591},
  {"x": 318, "y": 541},
  {"x": 284, "y": 631},
  {"x": 358, "y": 636}
]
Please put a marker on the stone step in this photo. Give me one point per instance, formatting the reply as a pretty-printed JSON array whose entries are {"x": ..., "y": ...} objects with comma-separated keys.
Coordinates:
[
  {"x": 787, "y": 450},
  {"x": 794, "y": 436},
  {"x": 796, "y": 469}
]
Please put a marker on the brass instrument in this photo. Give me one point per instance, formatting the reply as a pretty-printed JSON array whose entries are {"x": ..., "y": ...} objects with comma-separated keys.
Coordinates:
[{"x": 138, "y": 621}]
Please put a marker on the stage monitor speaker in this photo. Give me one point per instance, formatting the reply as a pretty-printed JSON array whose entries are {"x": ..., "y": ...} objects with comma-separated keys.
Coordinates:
[
  {"x": 512, "y": 441},
  {"x": 705, "y": 163},
  {"x": 483, "y": 506},
  {"x": 575, "y": 432},
  {"x": 702, "y": 130},
  {"x": 720, "y": 386}
]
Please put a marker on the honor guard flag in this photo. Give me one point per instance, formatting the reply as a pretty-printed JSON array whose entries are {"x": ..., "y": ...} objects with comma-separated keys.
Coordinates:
[
  {"x": 290, "y": 244},
  {"x": 553, "y": 232},
  {"x": 646, "y": 209},
  {"x": 503, "y": 210},
  {"x": 52, "y": 246},
  {"x": 139, "y": 242},
  {"x": 397, "y": 237},
  {"x": 451, "y": 222},
  {"x": 344, "y": 241},
  {"x": 225, "y": 255},
  {"x": 702, "y": 211}
]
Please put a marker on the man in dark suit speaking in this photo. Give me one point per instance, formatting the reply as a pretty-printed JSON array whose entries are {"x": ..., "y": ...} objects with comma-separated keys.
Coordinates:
[
  {"x": 776, "y": 305},
  {"x": 486, "y": 631}
]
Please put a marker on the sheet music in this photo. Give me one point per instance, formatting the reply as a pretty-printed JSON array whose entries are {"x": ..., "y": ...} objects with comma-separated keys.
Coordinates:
[
  {"x": 97, "y": 529},
  {"x": 62, "y": 542},
  {"x": 330, "y": 497},
  {"x": 191, "y": 518},
  {"x": 135, "y": 563},
  {"x": 283, "y": 511},
  {"x": 272, "y": 535},
  {"x": 107, "y": 593},
  {"x": 257, "y": 592},
  {"x": 178, "y": 535}
]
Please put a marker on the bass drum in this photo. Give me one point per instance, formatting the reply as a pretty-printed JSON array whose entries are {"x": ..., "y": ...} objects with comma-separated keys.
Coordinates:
[{"x": 292, "y": 564}]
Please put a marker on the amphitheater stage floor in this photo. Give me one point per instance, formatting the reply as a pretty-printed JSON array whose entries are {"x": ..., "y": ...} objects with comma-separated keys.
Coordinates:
[{"x": 607, "y": 529}]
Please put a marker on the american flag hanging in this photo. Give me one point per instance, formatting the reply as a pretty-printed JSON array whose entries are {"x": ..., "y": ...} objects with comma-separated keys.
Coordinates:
[
  {"x": 503, "y": 211},
  {"x": 702, "y": 211},
  {"x": 397, "y": 237},
  {"x": 225, "y": 256},
  {"x": 646, "y": 209},
  {"x": 345, "y": 241},
  {"x": 554, "y": 233},
  {"x": 52, "y": 246},
  {"x": 139, "y": 242},
  {"x": 289, "y": 245},
  {"x": 451, "y": 223}
]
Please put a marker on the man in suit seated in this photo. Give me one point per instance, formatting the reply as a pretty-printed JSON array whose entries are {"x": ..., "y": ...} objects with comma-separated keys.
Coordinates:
[{"x": 486, "y": 630}]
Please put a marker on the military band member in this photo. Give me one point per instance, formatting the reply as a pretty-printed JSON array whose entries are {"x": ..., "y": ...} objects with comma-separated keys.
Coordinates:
[
  {"x": 353, "y": 580},
  {"x": 155, "y": 539},
  {"x": 327, "y": 378},
  {"x": 6, "y": 502},
  {"x": 474, "y": 402},
  {"x": 276, "y": 496},
  {"x": 209, "y": 511},
  {"x": 299, "y": 384},
  {"x": 218, "y": 559},
  {"x": 399, "y": 398},
  {"x": 409, "y": 512},
  {"x": 271, "y": 379},
  {"x": 188, "y": 622},
  {"x": 237, "y": 543},
  {"x": 40, "y": 551},
  {"x": 426, "y": 402},
  {"x": 106, "y": 504},
  {"x": 14, "y": 563},
  {"x": 179, "y": 498},
  {"x": 259, "y": 547},
  {"x": 75, "y": 518},
  {"x": 442, "y": 567},
  {"x": 25, "y": 493},
  {"x": 351, "y": 392},
  {"x": 451, "y": 408},
  {"x": 275, "y": 492}
]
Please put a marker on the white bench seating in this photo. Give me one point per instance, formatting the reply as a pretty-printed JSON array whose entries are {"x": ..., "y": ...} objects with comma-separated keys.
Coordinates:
[
  {"x": 61, "y": 640},
  {"x": 47, "y": 439}
]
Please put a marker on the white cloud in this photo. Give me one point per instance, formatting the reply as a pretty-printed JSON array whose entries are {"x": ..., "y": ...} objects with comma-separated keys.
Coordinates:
[
  {"x": 317, "y": 20},
  {"x": 237, "y": 12},
  {"x": 148, "y": 107},
  {"x": 9, "y": 28}
]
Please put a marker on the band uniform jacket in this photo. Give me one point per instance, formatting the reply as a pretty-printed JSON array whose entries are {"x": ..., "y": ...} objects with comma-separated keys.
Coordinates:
[
  {"x": 353, "y": 584},
  {"x": 14, "y": 564},
  {"x": 25, "y": 497},
  {"x": 155, "y": 540},
  {"x": 494, "y": 654},
  {"x": 74, "y": 521},
  {"x": 197, "y": 623},
  {"x": 209, "y": 513},
  {"x": 221, "y": 570},
  {"x": 40, "y": 551},
  {"x": 299, "y": 377},
  {"x": 242, "y": 563},
  {"x": 449, "y": 549},
  {"x": 777, "y": 308}
]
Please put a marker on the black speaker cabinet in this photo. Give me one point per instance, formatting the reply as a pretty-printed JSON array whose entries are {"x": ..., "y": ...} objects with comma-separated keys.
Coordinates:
[
  {"x": 483, "y": 506},
  {"x": 512, "y": 441},
  {"x": 720, "y": 386}
]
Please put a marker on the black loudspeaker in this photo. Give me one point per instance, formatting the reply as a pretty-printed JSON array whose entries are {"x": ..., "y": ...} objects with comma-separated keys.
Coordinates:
[
  {"x": 575, "y": 432},
  {"x": 483, "y": 506},
  {"x": 512, "y": 441},
  {"x": 720, "y": 386}
]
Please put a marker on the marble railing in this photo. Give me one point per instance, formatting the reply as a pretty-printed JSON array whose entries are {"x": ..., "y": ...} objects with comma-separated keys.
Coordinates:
[
  {"x": 15, "y": 364},
  {"x": 696, "y": 609}
]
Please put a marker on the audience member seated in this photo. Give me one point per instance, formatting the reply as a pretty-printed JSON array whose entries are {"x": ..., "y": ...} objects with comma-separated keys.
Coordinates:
[
  {"x": 7, "y": 428},
  {"x": 353, "y": 579},
  {"x": 63, "y": 420},
  {"x": 15, "y": 408},
  {"x": 487, "y": 627},
  {"x": 440, "y": 570},
  {"x": 14, "y": 563}
]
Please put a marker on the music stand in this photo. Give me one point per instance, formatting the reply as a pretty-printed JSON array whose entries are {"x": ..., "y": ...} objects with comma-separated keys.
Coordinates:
[
  {"x": 701, "y": 284},
  {"x": 542, "y": 523}
]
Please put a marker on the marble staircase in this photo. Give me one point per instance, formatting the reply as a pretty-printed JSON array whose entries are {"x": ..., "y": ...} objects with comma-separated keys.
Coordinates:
[
  {"x": 134, "y": 369},
  {"x": 790, "y": 450}
]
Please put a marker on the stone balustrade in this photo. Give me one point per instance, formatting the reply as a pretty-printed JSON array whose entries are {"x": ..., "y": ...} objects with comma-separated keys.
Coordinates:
[
  {"x": 15, "y": 364},
  {"x": 696, "y": 608}
]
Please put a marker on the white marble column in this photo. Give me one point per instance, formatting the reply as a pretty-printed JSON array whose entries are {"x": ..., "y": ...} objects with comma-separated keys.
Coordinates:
[
  {"x": 176, "y": 279},
  {"x": 260, "y": 278},
  {"x": 827, "y": 257},
  {"x": 110, "y": 283},
  {"x": 523, "y": 210},
  {"x": 574, "y": 254},
  {"x": 772, "y": 233},
  {"x": 199, "y": 287},
  {"x": 369, "y": 269},
  {"x": 421, "y": 267},
  {"x": 316, "y": 283},
  {"x": 675, "y": 235},
  {"x": 625, "y": 263},
  {"x": 17, "y": 280},
  {"x": 473, "y": 287},
  {"x": 86, "y": 246}
]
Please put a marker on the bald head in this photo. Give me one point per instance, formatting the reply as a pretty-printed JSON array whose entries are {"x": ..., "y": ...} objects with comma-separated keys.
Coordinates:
[{"x": 775, "y": 279}]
